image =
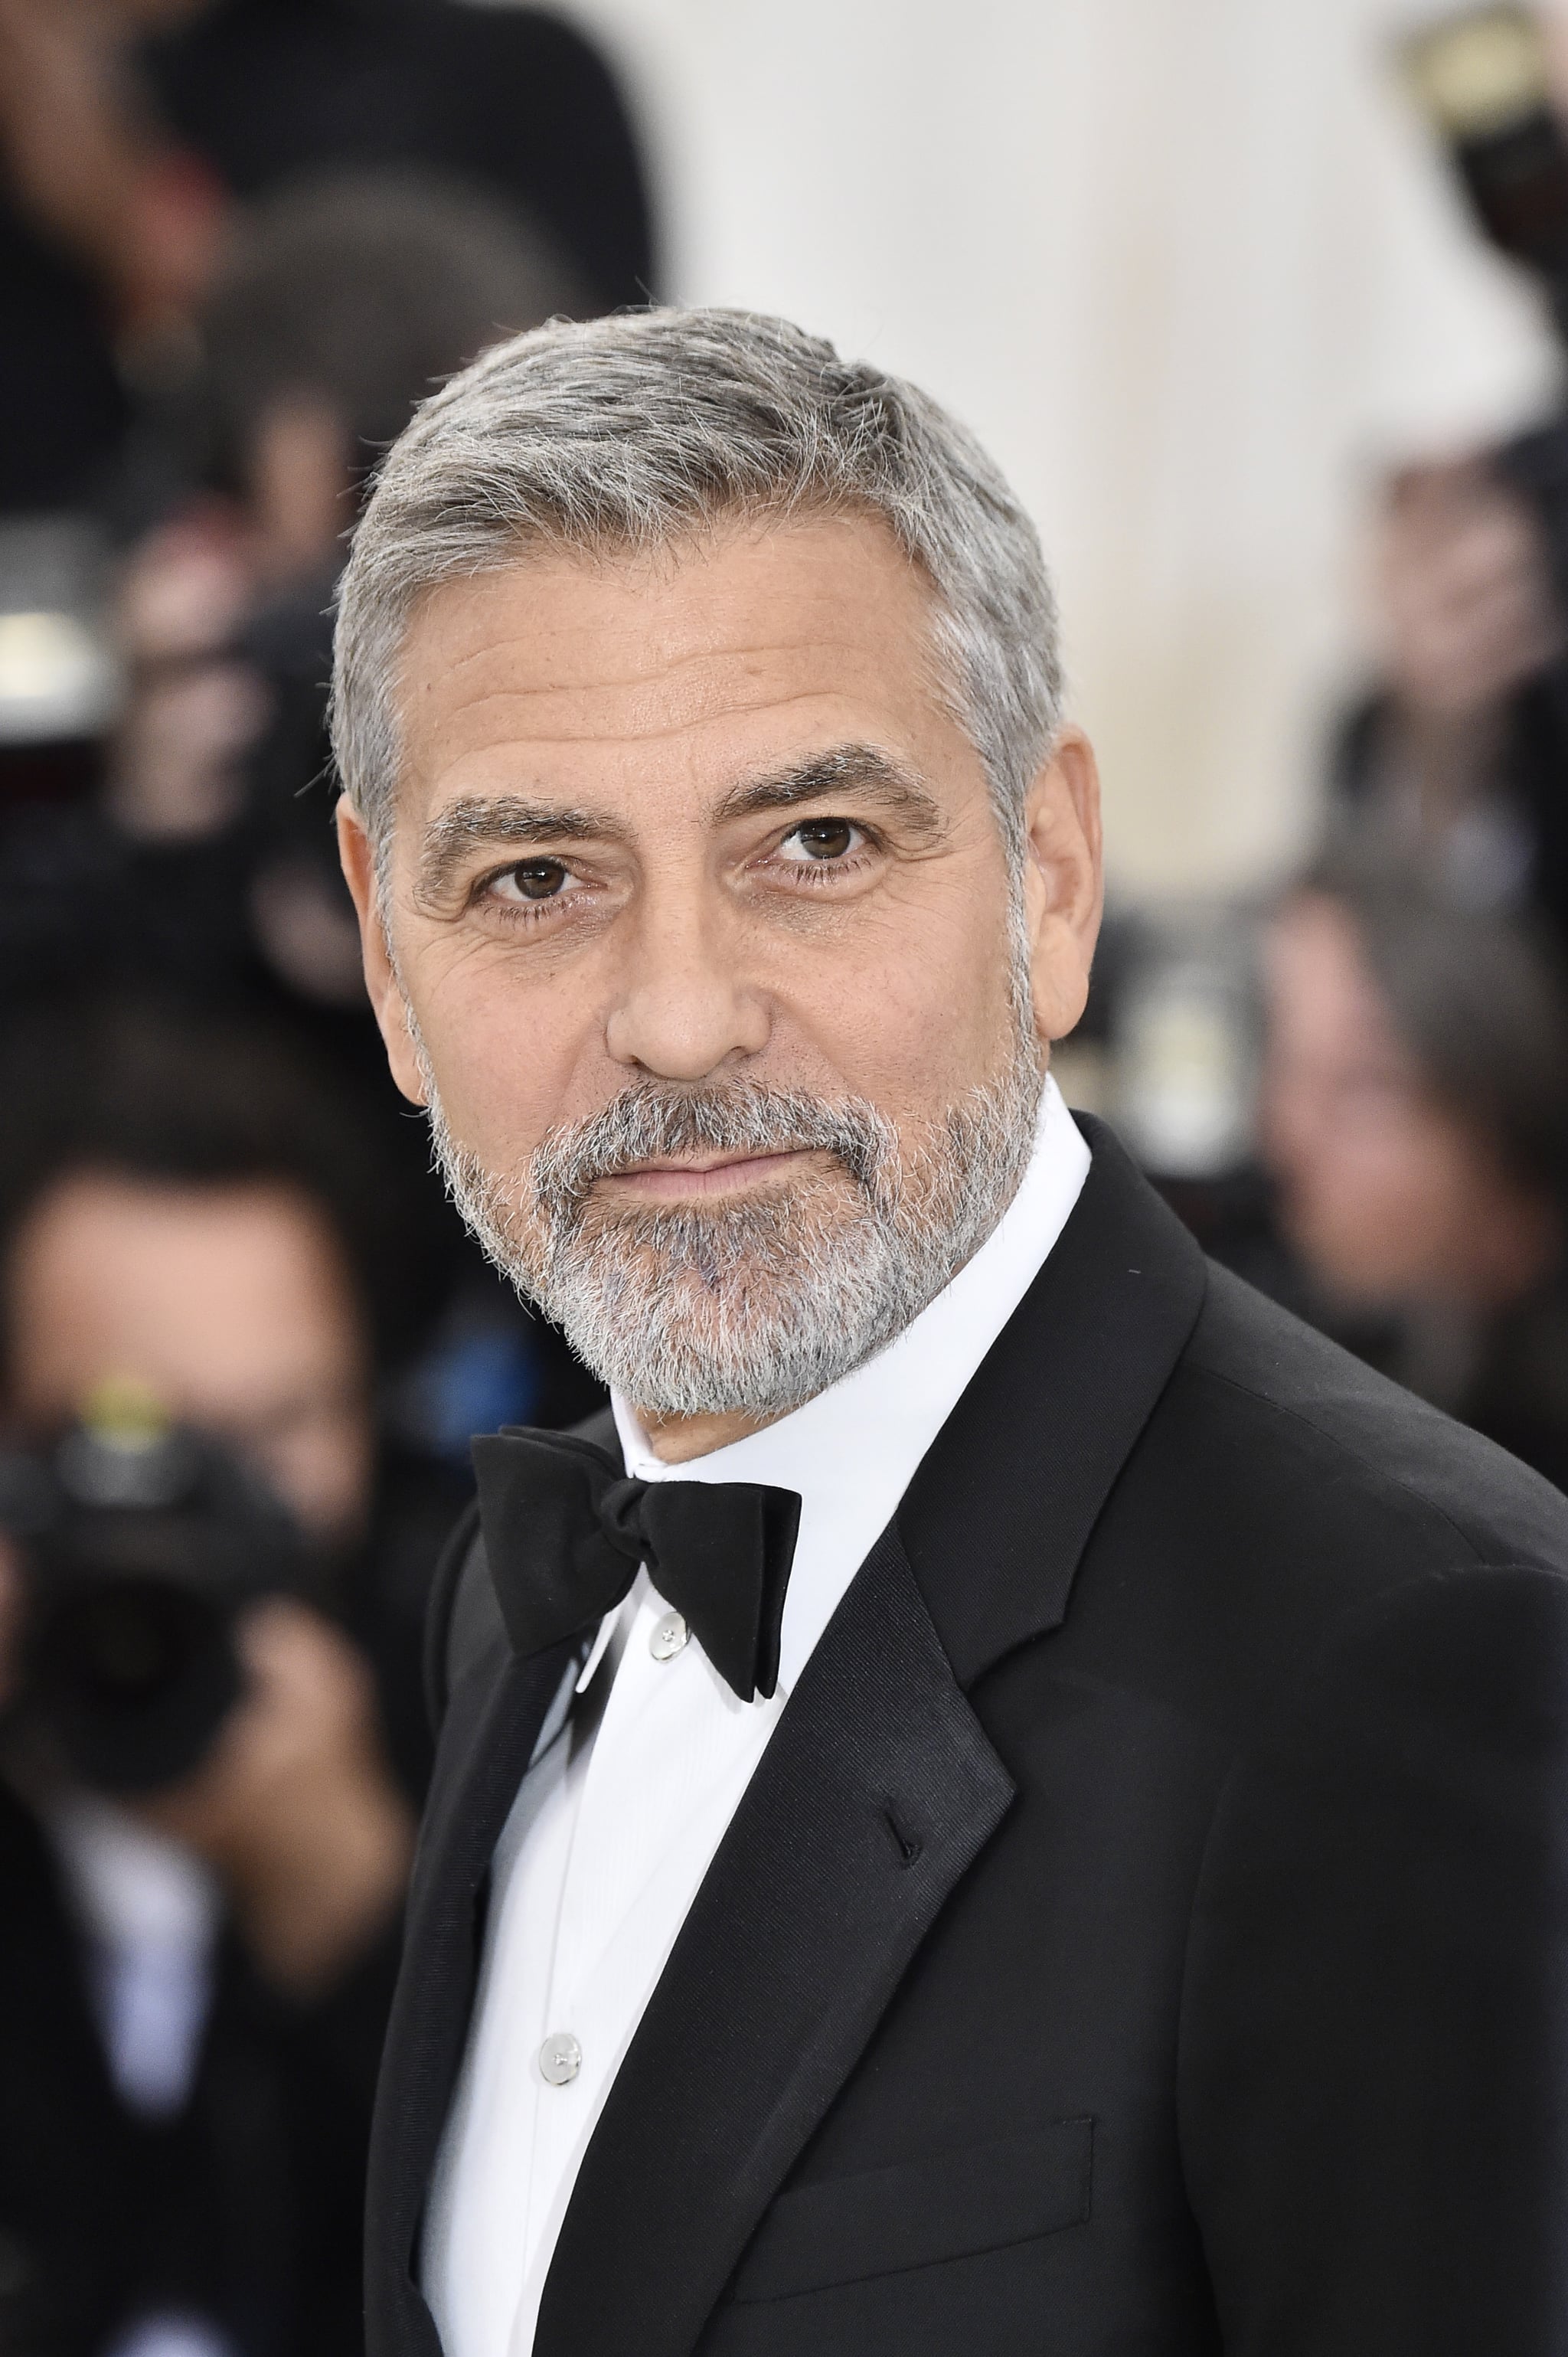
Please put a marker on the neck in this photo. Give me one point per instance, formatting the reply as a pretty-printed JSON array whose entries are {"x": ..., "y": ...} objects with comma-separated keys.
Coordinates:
[{"x": 677, "y": 1439}]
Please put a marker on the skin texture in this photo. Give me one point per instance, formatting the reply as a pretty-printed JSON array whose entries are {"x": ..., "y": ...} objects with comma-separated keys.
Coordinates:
[
  {"x": 643, "y": 721},
  {"x": 1392, "y": 1200},
  {"x": 229, "y": 1304}
]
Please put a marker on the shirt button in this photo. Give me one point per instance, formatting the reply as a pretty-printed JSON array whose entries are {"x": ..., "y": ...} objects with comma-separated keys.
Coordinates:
[
  {"x": 560, "y": 2059},
  {"x": 669, "y": 1635}
]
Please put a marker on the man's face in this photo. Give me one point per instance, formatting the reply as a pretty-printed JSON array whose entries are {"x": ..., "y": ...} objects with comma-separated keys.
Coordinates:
[
  {"x": 229, "y": 1304},
  {"x": 1390, "y": 1199},
  {"x": 703, "y": 825}
]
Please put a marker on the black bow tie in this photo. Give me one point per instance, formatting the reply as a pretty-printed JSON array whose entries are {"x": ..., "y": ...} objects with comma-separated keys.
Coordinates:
[{"x": 565, "y": 1531}]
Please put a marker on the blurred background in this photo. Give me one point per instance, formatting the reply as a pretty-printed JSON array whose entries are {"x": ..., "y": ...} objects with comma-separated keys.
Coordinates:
[{"x": 1263, "y": 309}]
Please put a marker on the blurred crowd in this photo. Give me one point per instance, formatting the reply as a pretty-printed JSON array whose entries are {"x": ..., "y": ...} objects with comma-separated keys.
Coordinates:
[
  {"x": 1356, "y": 1090},
  {"x": 242, "y": 1339}
]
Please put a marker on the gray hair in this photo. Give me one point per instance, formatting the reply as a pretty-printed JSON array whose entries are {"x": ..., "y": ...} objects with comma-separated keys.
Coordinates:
[{"x": 632, "y": 431}]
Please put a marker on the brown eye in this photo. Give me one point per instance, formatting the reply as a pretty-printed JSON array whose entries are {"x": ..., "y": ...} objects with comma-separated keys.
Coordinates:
[
  {"x": 824, "y": 838},
  {"x": 537, "y": 879},
  {"x": 536, "y": 883}
]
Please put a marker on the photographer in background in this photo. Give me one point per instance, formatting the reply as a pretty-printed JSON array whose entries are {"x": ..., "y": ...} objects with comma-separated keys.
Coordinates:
[
  {"x": 193, "y": 1980},
  {"x": 1415, "y": 1118},
  {"x": 208, "y": 865},
  {"x": 188, "y": 1204},
  {"x": 1458, "y": 761},
  {"x": 131, "y": 130},
  {"x": 205, "y": 869},
  {"x": 1458, "y": 764}
]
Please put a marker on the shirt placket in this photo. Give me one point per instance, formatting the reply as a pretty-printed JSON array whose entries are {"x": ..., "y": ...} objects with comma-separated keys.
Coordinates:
[{"x": 578, "y": 2041}]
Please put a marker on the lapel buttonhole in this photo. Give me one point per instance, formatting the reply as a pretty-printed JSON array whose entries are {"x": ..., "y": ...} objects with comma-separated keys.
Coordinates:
[{"x": 908, "y": 1845}]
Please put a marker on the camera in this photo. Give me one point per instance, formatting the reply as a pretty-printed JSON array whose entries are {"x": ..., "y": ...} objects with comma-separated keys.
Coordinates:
[
  {"x": 140, "y": 1543},
  {"x": 1481, "y": 77}
]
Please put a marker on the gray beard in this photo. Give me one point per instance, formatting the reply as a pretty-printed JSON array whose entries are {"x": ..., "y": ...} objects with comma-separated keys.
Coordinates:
[{"x": 756, "y": 1306}]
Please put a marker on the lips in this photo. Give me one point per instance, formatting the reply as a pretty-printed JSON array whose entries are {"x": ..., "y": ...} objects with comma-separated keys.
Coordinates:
[{"x": 726, "y": 1176}]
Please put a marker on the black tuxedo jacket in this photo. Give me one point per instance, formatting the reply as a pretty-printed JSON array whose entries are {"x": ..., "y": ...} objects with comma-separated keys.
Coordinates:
[{"x": 1147, "y": 1930}]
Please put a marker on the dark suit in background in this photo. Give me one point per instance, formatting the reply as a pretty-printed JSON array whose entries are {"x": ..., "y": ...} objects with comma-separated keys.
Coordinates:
[
  {"x": 1147, "y": 1930},
  {"x": 240, "y": 2207}
]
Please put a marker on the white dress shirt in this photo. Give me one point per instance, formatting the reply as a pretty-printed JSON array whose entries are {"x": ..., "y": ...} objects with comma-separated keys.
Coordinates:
[{"x": 631, "y": 1789}]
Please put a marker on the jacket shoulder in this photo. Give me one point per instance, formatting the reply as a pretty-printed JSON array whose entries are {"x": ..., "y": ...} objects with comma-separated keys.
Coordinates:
[
  {"x": 1283, "y": 1507},
  {"x": 1342, "y": 1442}
]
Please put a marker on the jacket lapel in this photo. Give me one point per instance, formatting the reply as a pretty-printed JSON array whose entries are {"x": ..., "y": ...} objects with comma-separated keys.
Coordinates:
[
  {"x": 998, "y": 1515},
  {"x": 494, "y": 1713},
  {"x": 876, "y": 1791}
]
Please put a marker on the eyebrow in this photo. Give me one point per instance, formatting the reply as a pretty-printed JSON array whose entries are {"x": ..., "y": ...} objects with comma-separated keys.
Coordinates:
[
  {"x": 862, "y": 770},
  {"x": 477, "y": 821}
]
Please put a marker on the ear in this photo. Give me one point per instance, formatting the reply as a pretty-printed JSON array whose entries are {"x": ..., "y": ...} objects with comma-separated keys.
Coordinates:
[
  {"x": 380, "y": 975},
  {"x": 1063, "y": 881}
]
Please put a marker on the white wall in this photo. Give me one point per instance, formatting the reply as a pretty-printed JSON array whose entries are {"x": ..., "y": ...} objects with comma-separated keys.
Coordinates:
[{"x": 1186, "y": 264}]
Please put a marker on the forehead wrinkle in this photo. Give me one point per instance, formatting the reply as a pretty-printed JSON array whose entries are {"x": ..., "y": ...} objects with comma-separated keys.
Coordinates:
[
  {"x": 637, "y": 726},
  {"x": 681, "y": 725},
  {"x": 659, "y": 665}
]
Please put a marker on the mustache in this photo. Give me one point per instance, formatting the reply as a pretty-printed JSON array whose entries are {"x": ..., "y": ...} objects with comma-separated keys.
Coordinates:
[{"x": 652, "y": 1120}]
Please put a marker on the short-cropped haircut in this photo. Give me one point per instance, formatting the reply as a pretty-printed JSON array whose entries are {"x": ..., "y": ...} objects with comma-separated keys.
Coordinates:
[{"x": 646, "y": 429}]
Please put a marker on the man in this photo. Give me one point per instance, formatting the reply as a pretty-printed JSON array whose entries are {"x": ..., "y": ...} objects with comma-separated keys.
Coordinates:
[
  {"x": 1455, "y": 763},
  {"x": 130, "y": 130},
  {"x": 191, "y": 1207},
  {"x": 1010, "y": 1798},
  {"x": 1414, "y": 1123},
  {"x": 193, "y": 1981},
  {"x": 203, "y": 862}
]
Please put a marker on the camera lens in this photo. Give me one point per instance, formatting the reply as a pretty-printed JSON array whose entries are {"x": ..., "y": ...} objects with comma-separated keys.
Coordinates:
[{"x": 137, "y": 1675}]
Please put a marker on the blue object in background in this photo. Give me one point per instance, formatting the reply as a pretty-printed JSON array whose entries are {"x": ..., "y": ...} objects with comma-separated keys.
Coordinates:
[{"x": 475, "y": 1379}]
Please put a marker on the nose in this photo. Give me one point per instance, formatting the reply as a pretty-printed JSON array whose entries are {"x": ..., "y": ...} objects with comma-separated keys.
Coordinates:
[{"x": 685, "y": 1007}]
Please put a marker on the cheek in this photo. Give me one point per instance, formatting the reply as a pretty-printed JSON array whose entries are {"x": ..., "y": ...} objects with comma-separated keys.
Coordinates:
[
  {"x": 912, "y": 1009},
  {"x": 505, "y": 1061}
]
